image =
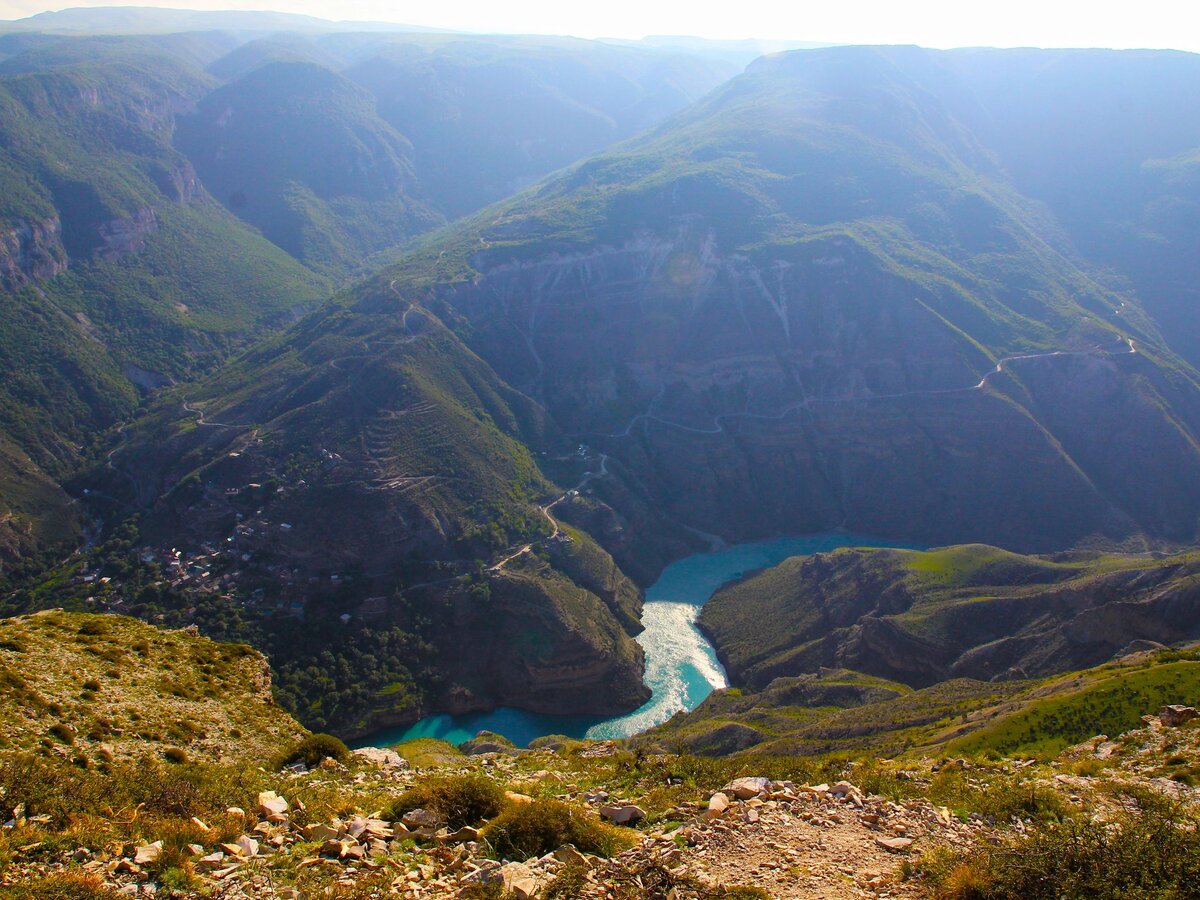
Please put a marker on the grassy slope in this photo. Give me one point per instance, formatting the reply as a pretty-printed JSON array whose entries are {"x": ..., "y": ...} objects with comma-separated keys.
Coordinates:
[
  {"x": 843, "y": 712},
  {"x": 76, "y": 681},
  {"x": 972, "y": 610}
]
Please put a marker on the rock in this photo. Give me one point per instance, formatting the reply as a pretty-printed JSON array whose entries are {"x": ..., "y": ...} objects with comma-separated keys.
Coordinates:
[
  {"x": 320, "y": 833},
  {"x": 422, "y": 818},
  {"x": 569, "y": 856},
  {"x": 248, "y": 844},
  {"x": 843, "y": 789},
  {"x": 717, "y": 804},
  {"x": 235, "y": 811},
  {"x": 332, "y": 847},
  {"x": 487, "y": 742},
  {"x": 894, "y": 844},
  {"x": 212, "y": 861},
  {"x": 272, "y": 806},
  {"x": 482, "y": 747},
  {"x": 1175, "y": 715},
  {"x": 487, "y": 871},
  {"x": 519, "y": 880},
  {"x": 745, "y": 788},
  {"x": 463, "y": 835},
  {"x": 106, "y": 752},
  {"x": 514, "y": 797},
  {"x": 148, "y": 853},
  {"x": 622, "y": 814},
  {"x": 382, "y": 757}
]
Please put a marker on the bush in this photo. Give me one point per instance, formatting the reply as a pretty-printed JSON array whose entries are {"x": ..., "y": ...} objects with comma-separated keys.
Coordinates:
[
  {"x": 315, "y": 748},
  {"x": 176, "y": 755},
  {"x": 460, "y": 800},
  {"x": 1154, "y": 852},
  {"x": 523, "y": 830}
]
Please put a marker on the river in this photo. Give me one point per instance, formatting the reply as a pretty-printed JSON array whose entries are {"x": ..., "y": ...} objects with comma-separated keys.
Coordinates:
[{"x": 681, "y": 667}]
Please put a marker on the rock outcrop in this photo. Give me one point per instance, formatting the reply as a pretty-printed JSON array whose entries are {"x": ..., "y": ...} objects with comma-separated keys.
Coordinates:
[{"x": 31, "y": 251}]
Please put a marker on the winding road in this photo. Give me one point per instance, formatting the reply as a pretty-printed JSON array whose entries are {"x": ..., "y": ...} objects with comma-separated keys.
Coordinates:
[
  {"x": 554, "y": 524},
  {"x": 809, "y": 402}
]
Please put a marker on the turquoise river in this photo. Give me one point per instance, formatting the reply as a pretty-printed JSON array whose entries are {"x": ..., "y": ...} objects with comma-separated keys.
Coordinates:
[{"x": 681, "y": 667}]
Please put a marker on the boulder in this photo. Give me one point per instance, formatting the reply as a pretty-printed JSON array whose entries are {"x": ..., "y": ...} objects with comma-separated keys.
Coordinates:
[
  {"x": 381, "y": 757},
  {"x": 622, "y": 814},
  {"x": 487, "y": 871},
  {"x": 894, "y": 844},
  {"x": 148, "y": 853},
  {"x": 319, "y": 833},
  {"x": 272, "y": 806},
  {"x": 422, "y": 818},
  {"x": 487, "y": 742},
  {"x": 745, "y": 788},
  {"x": 519, "y": 880},
  {"x": 717, "y": 804},
  {"x": 569, "y": 856},
  {"x": 1175, "y": 715}
]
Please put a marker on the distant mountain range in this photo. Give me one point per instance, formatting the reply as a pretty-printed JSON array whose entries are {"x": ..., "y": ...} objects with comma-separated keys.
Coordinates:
[{"x": 158, "y": 20}]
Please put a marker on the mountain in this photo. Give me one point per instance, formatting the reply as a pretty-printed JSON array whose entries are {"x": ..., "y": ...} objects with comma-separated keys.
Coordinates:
[
  {"x": 816, "y": 299},
  {"x": 125, "y": 276},
  {"x": 298, "y": 151},
  {"x": 813, "y": 300},
  {"x": 159, "y": 20},
  {"x": 343, "y": 496},
  {"x": 1118, "y": 170},
  {"x": 959, "y": 612},
  {"x": 120, "y": 273},
  {"x": 490, "y": 116}
]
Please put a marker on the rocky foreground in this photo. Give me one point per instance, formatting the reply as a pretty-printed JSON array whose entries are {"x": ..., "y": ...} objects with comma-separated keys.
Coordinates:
[{"x": 343, "y": 829}]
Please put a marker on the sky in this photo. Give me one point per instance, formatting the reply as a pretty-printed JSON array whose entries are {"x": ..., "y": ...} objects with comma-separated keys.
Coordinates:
[{"x": 931, "y": 23}]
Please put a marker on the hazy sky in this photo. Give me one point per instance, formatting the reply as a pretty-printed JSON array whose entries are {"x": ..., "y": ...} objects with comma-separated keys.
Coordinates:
[{"x": 933, "y": 23}]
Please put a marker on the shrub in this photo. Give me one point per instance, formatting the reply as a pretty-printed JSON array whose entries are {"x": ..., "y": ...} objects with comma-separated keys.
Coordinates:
[
  {"x": 523, "y": 830},
  {"x": 91, "y": 685},
  {"x": 175, "y": 755},
  {"x": 460, "y": 800},
  {"x": 1154, "y": 852},
  {"x": 315, "y": 748},
  {"x": 63, "y": 732}
]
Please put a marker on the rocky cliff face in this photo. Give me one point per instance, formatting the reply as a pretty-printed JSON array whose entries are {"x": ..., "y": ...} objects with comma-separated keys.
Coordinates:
[
  {"x": 121, "y": 237},
  {"x": 31, "y": 251},
  {"x": 812, "y": 388}
]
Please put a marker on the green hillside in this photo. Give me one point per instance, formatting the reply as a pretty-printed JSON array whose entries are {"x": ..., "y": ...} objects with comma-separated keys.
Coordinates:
[
  {"x": 299, "y": 152},
  {"x": 973, "y": 611},
  {"x": 844, "y": 712},
  {"x": 121, "y": 274}
]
